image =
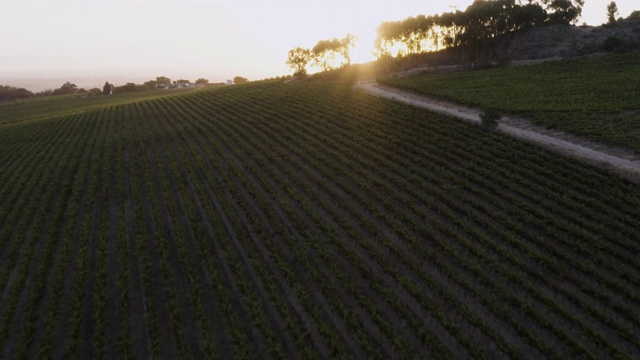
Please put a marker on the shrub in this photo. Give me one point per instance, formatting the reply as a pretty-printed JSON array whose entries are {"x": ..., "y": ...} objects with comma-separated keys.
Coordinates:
[
  {"x": 490, "y": 117},
  {"x": 617, "y": 45}
]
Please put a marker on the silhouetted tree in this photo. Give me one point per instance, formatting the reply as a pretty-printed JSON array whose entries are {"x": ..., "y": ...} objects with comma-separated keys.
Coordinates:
[
  {"x": 14, "y": 93},
  {"x": 106, "y": 89},
  {"x": 472, "y": 31},
  {"x": 529, "y": 16},
  {"x": 163, "y": 80},
  {"x": 325, "y": 51},
  {"x": 323, "y": 54},
  {"x": 151, "y": 84},
  {"x": 128, "y": 87},
  {"x": 564, "y": 11},
  {"x": 612, "y": 12},
  {"x": 239, "y": 80},
  {"x": 298, "y": 59},
  {"x": 43, "y": 93},
  {"x": 346, "y": 45},
  {"x": 202, "y": 81},
  {"x": 65, "y": 89}
]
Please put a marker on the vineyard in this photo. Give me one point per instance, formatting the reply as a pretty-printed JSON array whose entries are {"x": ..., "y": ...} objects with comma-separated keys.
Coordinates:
[
  {"x": 55, "y": 106},
  {"x": 597, "y": 98},
  {"x": 306, "y": 220}
]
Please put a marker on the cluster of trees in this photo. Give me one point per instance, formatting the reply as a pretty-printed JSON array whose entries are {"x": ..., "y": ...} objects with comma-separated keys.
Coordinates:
[
  {"x": 612, "y": 13},
  {"x": 126, "y": 88},
  {"x": 472, "y": 29},
  {"x": 67, "y": 88},
  {"x": 14, "y": 93},
  {"x": 239, "y": 80},
  {"x": 164, "y": 82},
  {"x": 326, "y": 54},
  {"x": 160, "y": 82}
]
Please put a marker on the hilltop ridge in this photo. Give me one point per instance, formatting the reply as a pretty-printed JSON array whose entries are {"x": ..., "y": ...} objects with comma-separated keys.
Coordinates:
[
  {"x": 547, "y": 43},
  {"x": 567, "y": 41}
]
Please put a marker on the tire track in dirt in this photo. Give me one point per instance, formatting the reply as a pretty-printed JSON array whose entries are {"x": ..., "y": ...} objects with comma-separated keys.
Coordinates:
[{"x": 629, "y": 169}]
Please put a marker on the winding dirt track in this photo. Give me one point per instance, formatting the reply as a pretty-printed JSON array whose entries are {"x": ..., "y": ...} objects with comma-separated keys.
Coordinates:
[{"x": 627, "y": 166}]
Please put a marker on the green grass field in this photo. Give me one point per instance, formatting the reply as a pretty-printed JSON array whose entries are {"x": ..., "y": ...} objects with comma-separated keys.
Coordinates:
[
  {"x": 597, "y": 98},
  {"x": 273, "y": 220}
]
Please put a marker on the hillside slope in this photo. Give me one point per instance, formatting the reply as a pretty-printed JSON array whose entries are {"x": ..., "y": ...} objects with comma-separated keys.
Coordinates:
[
  {"x": 597, "y": 98},
  {"x": 306, "y": 220},
  {"x": 566, "y": 41}
]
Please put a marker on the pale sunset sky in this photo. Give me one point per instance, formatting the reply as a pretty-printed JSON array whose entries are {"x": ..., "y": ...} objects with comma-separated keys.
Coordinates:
[{"x": 215, "y": 39}]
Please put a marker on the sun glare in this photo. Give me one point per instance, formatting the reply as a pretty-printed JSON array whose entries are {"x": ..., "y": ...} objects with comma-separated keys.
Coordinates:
[{"x": 198, "y": 38}]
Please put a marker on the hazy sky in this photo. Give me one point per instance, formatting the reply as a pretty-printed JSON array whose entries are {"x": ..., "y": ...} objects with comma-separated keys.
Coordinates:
[{"x": 216, "y": 39}]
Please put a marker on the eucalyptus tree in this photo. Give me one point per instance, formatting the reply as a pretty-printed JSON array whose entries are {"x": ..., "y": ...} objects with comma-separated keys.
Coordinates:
[
  {"x": 471, "y": 30},
  {"x": 297, "y": 60},
  {"x": 325, "y": 51},
  {"x": 564, "y": 11}
]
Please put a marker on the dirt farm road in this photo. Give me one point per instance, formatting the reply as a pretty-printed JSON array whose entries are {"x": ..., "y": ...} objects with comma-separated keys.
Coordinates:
[{"x": 621, "y": 162}]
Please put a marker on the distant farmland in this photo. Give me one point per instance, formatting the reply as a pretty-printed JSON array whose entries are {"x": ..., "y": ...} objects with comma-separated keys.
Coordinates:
[{"x": 273, "y": 220}]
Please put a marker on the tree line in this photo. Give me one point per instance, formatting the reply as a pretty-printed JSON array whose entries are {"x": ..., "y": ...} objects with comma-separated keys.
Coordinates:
[
  {"x": 326, "y": 54},
  {"x": 472, "y": 31},
  {"x": 161, "y": 82},
  {"x": 13, "y": 93},
  {"x": 613, "y": 15}
]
